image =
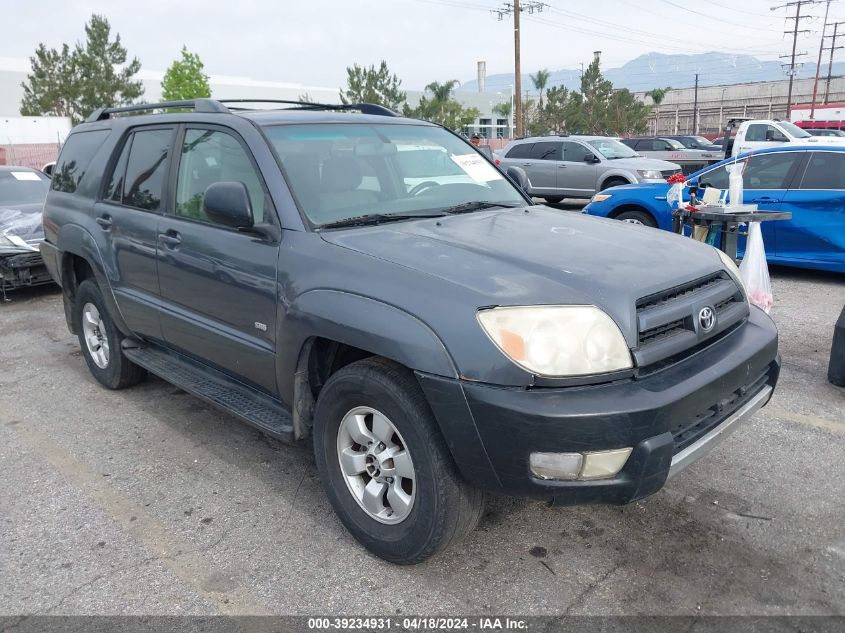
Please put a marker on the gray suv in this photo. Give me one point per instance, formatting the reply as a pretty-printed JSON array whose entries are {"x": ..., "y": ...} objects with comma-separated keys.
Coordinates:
[
  {"x": 561, "y": 167},
  {"x": 374, "y": 287}
]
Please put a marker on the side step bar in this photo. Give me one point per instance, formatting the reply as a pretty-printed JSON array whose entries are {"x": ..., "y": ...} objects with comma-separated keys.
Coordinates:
[{"x": 216, "y": 388}]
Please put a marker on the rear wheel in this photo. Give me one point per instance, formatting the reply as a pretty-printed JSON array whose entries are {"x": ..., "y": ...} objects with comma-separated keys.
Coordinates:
[
  {"x": 385, "y": 466},
  {"x": 637, "y": 217},
  {"x": 553, "y": 199},
  {"x": 100, "y": 340}
]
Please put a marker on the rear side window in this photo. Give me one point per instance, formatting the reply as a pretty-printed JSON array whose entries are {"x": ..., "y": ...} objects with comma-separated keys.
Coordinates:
[
  {"x": 76, "y": 155},
  {"x": 523, "y": 150},
  {"x": 146, "y": 169},
  {"x": 825, "y": 170},
  {"x": 545, "y": 151},
  {"x": 763, "y": 132}
]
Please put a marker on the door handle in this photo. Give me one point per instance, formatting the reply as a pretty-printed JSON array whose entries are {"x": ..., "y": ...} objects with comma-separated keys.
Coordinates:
[
  {"x": 527, "y": 164},
  {"x": 171, "y": 238},
  {"x": 561, "y": 166},
  {"x": 104, "y": 221}
]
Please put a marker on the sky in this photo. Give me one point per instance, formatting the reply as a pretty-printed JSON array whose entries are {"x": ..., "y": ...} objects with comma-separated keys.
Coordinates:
[{"x": 313, "y": 41}]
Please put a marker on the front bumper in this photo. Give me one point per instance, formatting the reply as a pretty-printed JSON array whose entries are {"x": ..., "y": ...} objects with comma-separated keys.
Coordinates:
[
  {"x": 670, "y": 418},
  {"x": 23, "y": 269}
]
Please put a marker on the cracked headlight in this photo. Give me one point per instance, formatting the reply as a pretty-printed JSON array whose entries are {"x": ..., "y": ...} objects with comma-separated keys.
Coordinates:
[{"x": 558, "y": 341}]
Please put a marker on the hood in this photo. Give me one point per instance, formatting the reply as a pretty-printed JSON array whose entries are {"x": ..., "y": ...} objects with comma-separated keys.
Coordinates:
[
  {"x": 21, "y": 228},
  {"x": 542, "y": 256},
  {"x": 641, "y": 163}
]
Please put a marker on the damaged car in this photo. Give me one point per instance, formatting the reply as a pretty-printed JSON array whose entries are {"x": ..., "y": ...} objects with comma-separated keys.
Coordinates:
[{"x": 22, "y": 194}]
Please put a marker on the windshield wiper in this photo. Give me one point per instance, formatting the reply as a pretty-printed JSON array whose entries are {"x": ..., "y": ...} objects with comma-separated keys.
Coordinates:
[
  {"x": 377, "y": 218},
  {"x": 477, "y": 205}
]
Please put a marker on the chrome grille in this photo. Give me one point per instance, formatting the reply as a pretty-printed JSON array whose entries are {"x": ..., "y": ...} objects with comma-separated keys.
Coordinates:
[{"x": 667, "y": 321}]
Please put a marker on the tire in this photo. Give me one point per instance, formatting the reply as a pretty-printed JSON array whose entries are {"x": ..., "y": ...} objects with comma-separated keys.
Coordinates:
[
  {"x": 637, "y": 217},
  {"x": 553, "y": 199},
  {"x": 99, "y": 340},
  {"x": 437, "y": 508},
  {"x": 613, "y": 182}
]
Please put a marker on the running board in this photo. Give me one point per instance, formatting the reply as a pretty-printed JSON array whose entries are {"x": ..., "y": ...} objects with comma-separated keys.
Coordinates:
[{"x": 216, "y": 388}]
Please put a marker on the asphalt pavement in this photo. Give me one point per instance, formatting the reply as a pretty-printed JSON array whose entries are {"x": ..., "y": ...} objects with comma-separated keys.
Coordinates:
[{"x": 148, "y": 501}]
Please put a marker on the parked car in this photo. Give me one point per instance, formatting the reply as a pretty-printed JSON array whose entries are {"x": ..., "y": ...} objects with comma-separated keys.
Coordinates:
[
  {"x": 22, "y": 194},
  {"x": 807, "y": 181},
  {"x": 669, "y": 149},
  {"x": 579, "y": 166},
  {"x": 696, "y": 142},
  {"x": 755, "y": 135},
  {"x": 432, "y": 339},
  {"x": 821, "y": 132}
]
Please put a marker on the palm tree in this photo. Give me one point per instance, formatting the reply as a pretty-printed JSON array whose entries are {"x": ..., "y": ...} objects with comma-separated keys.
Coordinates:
[
  {"x": 540, "y": 80},
  {"x": 442, "y": 92},
  {"x": 657, "y": 95}
]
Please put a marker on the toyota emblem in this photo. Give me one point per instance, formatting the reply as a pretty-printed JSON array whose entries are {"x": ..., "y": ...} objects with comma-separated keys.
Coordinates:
[{"x": 706, "y": 319}]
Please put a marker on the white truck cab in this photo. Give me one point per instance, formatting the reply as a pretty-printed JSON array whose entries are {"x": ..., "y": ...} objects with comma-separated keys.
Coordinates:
[{"x": 760, "y": 134}]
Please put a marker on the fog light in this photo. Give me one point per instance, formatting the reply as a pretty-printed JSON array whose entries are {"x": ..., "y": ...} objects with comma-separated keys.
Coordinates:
[
  {"x": 604, "y": 463},
  {"x": 556, "y": 465}
]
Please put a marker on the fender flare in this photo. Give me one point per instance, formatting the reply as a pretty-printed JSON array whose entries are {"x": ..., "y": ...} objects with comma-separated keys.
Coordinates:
[
  {"x": 73, "y": 239},
  {"x": 617, "y": 173}
]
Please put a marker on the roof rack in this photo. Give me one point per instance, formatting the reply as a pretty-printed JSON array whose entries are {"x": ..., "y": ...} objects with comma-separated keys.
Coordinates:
[
  {"x": 197, "y": 105},
  {"x": 364, "y": 108},
  {"x": 219, "y": 106}
]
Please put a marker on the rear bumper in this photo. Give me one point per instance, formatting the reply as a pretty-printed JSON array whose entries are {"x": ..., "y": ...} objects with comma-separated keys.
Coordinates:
[{"x": 670, "y": 419}]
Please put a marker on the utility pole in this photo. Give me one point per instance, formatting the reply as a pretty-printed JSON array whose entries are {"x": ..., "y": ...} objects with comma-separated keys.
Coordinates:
[
  {"x": 831, "y": 48},
  {"x": 515, "y": 8},
  {"x": 819, "y": 63},
  {"x": 695, "y": 108},
  {"x": 793, "y": 67}
]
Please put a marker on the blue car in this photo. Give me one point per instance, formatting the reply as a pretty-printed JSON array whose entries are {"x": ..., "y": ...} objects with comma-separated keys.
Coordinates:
[{"x": 807, "y": 181}]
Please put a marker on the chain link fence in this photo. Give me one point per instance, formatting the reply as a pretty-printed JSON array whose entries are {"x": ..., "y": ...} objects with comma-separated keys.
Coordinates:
[{"x": 34, "y": 155}]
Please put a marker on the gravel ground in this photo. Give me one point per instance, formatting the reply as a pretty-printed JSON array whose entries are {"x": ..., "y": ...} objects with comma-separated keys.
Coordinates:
[{"x": 147, "y": 501}]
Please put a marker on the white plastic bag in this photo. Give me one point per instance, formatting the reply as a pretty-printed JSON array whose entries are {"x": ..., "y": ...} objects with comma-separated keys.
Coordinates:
[
  {"x": 675, "y": 195},
  {"x": 735, "y": 183},
  {"x": 755, "y": 271}
]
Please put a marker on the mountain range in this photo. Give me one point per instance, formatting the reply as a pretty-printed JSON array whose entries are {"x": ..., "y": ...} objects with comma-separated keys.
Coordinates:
[{"x": 658, "y": 70}]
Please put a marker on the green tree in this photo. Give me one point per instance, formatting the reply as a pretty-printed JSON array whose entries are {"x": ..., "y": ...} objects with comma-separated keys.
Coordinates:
[
  {"x": 75, "y": 82},
  {"x": 503, "y": 109},
  {"x": 185, "y": 79},
  {"x": 657, "y": 95},
  {"x": 540, "y": 80},
  {"x": 373, "y": 85},
  {"x": 441, "y": 107}
]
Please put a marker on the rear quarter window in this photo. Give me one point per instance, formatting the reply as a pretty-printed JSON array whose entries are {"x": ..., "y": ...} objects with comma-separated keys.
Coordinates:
[
  {"x": 520, "y": 151},
  {"x": 76, "y": 155}
]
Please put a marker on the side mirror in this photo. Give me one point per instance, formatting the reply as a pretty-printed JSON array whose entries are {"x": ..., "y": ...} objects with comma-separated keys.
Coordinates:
[
  {"x": 518, "y": 176},
  {"x": 591, "y": 158},
  {"x": 692, "y": 182},
  {"x": 227, "y": 203},
  {"x": 48, "y": 169}
]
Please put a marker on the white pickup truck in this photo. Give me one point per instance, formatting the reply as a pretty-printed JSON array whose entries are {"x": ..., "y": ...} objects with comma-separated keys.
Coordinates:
[{"x": 759, "y": 134}]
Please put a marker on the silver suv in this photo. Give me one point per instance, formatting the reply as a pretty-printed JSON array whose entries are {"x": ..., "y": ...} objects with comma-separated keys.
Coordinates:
[{"x": 561, "y": 167}]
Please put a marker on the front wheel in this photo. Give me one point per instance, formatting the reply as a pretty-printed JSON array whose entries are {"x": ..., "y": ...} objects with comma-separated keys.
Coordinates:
[
  {"x": 613, "y": 182},
  {"x": 553, "y": 199},
  {"x": 385, "y": 466},
  {"x": 637, "y": 217}
]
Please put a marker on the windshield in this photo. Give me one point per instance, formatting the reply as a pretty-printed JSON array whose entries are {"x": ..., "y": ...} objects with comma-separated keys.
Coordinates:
[
  {"x": 23, "y": 186},
  {"x": 675, "y": 144},
  {"x": 702, "y": 141},
  {"x": 341, "y": 171},
  {"x": 610, "y": 148},
  {"x": 794, "y": 130}
]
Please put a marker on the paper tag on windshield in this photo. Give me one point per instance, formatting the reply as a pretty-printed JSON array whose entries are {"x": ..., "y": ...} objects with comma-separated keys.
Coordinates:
[
  {"x": 25, "y": 175},
  {"x": 476, "y": 167}
]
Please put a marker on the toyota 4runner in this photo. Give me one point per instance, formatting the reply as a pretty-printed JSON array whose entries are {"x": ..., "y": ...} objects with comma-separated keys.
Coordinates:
[{"x": 374, "y": 285}]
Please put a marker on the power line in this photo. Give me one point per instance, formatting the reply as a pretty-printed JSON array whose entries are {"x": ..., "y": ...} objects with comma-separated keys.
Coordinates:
[
  {"x": 831, "y": 48},
  {"x": 513, "y": 8},
  {"x": 819, "y": 62},
  {"x": 798, "y": 4}
]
